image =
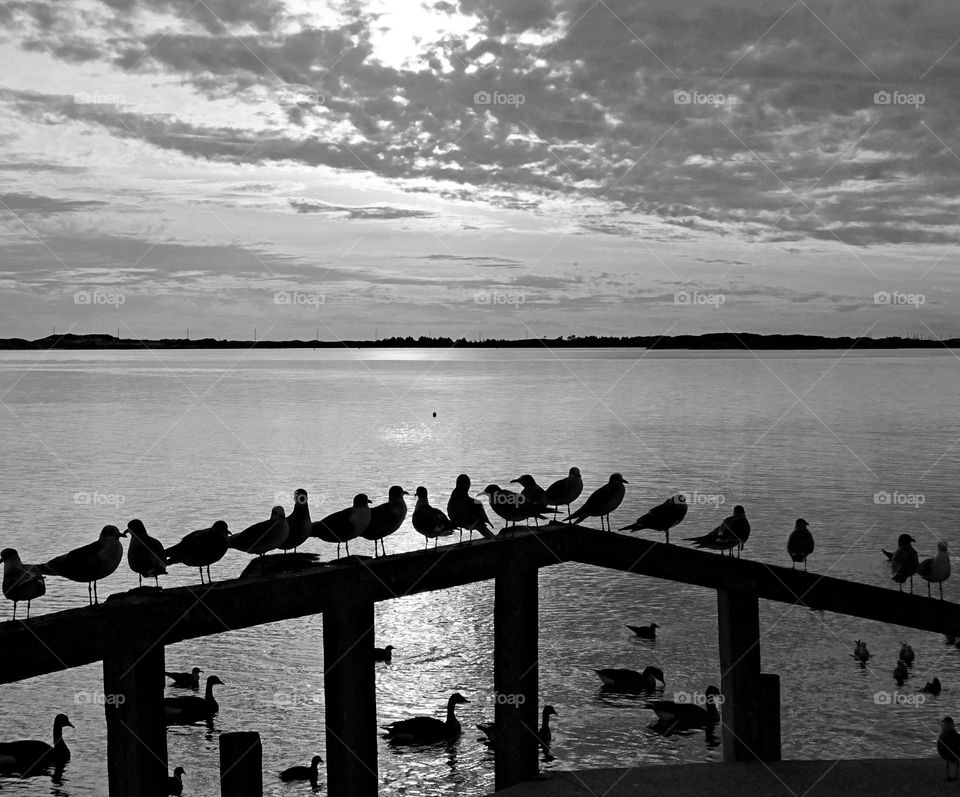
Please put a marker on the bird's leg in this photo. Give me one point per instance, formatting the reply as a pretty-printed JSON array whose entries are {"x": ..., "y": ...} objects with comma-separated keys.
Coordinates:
[
  {"x": 28, "y": 608},
  {"x": 940, "y": 584},
  {"x": 793, "y": 566},
  {"x": 14, "y": 610},
  {"x": 804, "y": 564}
]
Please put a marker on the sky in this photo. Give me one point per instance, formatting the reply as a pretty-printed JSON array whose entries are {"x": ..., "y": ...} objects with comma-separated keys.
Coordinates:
[{"x": 515, "y": 168}]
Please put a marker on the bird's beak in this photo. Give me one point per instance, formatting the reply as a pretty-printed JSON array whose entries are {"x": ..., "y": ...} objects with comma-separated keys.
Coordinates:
[
  {"x": 124, "y": 532},
  {"x": 70, "y": 724},
  {"x": 514, "y": 481},
  {"x": 405, "y": 492},
  {"x": 625, "y": 481}
]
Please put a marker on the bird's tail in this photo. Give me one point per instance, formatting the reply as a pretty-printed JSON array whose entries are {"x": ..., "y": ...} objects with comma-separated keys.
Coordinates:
[
  {"x": 48, "y": 569},
  {"x": 887, "y": 553},
  {"x": 485, "y": 532},
  {"x": 638, "y": 526}
]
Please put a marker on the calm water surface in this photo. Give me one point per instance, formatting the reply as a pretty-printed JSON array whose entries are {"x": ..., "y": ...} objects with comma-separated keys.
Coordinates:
[{"x": 180, "y": 439}]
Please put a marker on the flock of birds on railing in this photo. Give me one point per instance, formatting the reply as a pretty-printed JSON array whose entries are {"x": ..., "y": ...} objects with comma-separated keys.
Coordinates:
[{"x": 149, "y": 558}]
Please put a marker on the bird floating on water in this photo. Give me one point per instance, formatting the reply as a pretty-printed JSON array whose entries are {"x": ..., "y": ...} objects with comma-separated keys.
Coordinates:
[
  {"x": 201, "y": 548},
  {"x": 631, "y": 680},
  {"x": 175, "y": 782},
  {"x": 536, "y": 496},
  {"x": 544, "y": 734},
  {"x": 383, "y": 654},
  {"x": 936, "y": 570},
  {"x": 860, "y": 652},
  {"x": 906, "y": 654},
  {"x": 386, "y": 518},
  {"x": 903, "y": 561},
  {"x": 933, "y": 687},
  {"x": 187, "y": 710},
  {"x": 89, "y": 563},
  {"x": 32, "y": 756},
  {"x": 430, "y": 521},
  {"x": 948, "y": 746},
  {"x": 303, "y": 773},
  {"x": 466, "y": 512},
  {"x": 602, "y": 501},
  {"x": 645, "y": 631},
  {"x": 662, "y": 517},
  {"x": 427, "y": 730},
  {"x": 186, "y": 680},
  {"x": 800, "y": 543},
  {"x": 344, "y": 525},
  {"x": 731, "y": 533},
  {"x": 564, "y": 492},
  {"x": 145, "y": 554},
  {"x": 21, "y": 582},
  {"x": 267, "y": 535},
  {"x": 299, "y": 524},
  {"x": 673, "y": 716}
]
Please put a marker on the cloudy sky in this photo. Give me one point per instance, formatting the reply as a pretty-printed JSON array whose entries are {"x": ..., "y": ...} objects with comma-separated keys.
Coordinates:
[{"x": 495, "y": 167}]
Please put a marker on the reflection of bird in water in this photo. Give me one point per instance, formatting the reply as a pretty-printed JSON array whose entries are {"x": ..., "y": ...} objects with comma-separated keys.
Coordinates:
[{"x": 900, "y": 673}]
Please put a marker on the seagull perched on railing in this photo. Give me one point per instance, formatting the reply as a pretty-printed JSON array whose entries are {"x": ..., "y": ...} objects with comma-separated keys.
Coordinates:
[
  {"x": 937, "y": 569},
  {"x": 602, "y": 501},
  {"x": 267, "y": 535},
  {"x": 564, "y": 492},
  {"x": 536, "y": 496},
  {"x": 511, "y": 506},
  {"x": 903, "y": 561},
  {"x": 430, "y": 521},
  {"x": 89, "y": 563},
  {"x": 21, "y": 582},
  {"x": 800, "y": 543},
  {"x": 662, "y": 517},
  {"x": 345, "y": 525},
  {"x": 731, "y": 533},
  {"x": 466, "y": 512},
  {"x": 386, "y": 518}
]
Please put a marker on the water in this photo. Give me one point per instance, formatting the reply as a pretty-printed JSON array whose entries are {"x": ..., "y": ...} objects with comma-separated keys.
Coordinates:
[{"x": 180, "y": 439}]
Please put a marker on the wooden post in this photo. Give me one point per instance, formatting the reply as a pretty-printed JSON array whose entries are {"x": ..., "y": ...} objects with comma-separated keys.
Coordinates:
[
  {"x": 770, "y": 716},
  {"x": 241, "y": 764},
  {"x": 349, "y": 686},
  {"x": 515, "y": 676},
  {"x": 738, "y": 616},
  {"x": 133, "y": 684}
]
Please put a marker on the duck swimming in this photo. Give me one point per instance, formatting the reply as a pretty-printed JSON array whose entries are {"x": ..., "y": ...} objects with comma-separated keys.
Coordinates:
[
  {"x": 933, "y": 687},
  {"x": 187, "y": 710},
  {"x": 383, "y": 654},
  {"x": 906, "y": 654},
  {"x": 544, "y": 734},
  {"x": 631, "y": 680},
  {"x": 186, "y": 680},
  {"x": 672, "y": 715},
  {"x": 175, "y": 782},
  {"x": 303, "y": 773},
  {"x": 645, "y": 631},
  {"x": 427, "y": 730},
  {"x": 32, "y": 756}
]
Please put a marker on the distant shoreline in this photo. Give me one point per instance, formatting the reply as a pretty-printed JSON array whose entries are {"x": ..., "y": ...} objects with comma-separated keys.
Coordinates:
[{"x": 710, "y": 341}]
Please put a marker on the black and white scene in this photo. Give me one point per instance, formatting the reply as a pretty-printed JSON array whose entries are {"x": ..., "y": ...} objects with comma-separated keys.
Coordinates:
[{"x": 426, "y": 398}]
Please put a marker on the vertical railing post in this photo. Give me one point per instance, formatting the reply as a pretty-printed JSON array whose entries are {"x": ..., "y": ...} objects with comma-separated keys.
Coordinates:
[
  {"x": 241, "y": 764},
  {"x": 133, "y": 684},
  {"x": 349, "y": 686},
  {"x": 516, "y": 675},
  {"x": 751, "y": 707}
]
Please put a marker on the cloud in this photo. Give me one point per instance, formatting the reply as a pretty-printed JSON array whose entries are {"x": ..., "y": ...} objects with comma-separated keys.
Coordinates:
[{"x": 361, "y": 213}]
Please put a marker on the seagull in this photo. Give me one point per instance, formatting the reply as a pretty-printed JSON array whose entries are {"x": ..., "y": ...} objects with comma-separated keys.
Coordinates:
[
  {"x": 948, "y": 746},
  {"x": 466, "y": 512},
  {"x": 602, "y": 501},
  {"x": 662, "y": 517},
  {"x": 201, "y": 548},
  {"x": 430, "y": 521},
  {"x": 904, "y": 561},
  {"x": 267, "y": 535},
  {"x": 731, "y": 533},
  {"x": 345, "y": 525},
  {"x": 145, "y": 554},
  {"x": 800, "y": 544},
  {"x": 564, "y": 492},
  {"x": 20, "y": 582},
  {"x": 298, "y": 522},
  {"x": 386, "y": 518},
  {"x": 509, "y": 505},
  {"x": 89, "y": 563},
  {"x": 536, "y": 496},
  {"x": 936, "y": 570}
]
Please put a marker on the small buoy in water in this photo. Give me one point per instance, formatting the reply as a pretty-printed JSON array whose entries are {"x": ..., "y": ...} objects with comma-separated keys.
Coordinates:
[{"x": 434, "y": 415}]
